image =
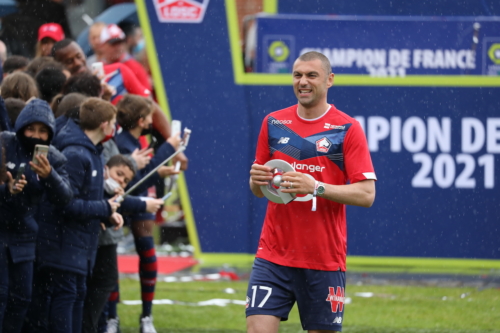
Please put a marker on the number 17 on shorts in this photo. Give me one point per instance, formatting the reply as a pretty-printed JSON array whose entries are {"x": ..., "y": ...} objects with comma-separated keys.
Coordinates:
[{"x": 251, "y": 302}]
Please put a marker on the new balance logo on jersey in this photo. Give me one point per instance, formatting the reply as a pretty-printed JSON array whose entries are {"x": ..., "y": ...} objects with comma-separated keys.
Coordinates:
[
  {"x": 336, "y": 299},
  {"x": 283, "y": 140},
  {"x": 323, "y": 145},
  {"x": 337, "y": 320}
]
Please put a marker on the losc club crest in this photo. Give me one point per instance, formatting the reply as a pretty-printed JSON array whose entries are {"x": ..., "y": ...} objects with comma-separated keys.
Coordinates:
[
  {"x": 181, "y": 11},
  {"x": 323, "y": 145}
]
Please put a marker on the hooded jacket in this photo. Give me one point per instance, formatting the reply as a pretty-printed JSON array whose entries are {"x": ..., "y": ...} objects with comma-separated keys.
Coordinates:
[
  {"x": 4, "y": 117},
  {"x": 69, "y": 241},
  {"x": 18, "y": 220}
]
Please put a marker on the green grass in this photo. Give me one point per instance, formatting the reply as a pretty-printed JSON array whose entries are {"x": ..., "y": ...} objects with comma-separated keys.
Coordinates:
[{"x": 401, "y": 309}]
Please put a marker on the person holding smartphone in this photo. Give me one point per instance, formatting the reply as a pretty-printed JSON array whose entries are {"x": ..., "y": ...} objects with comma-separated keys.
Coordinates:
[
  {"x": 44, "y": 178},
  {"x": 68, "y": 237},
  {"x": 135, "y": 116}
]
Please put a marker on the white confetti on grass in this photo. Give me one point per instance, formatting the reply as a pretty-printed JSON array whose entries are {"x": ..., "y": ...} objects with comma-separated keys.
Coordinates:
[{"x": 216, "y": 302}]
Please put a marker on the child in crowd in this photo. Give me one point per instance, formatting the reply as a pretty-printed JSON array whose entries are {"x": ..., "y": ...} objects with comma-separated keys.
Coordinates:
[
  {"x": 19, "y": 85},
  {"x": 119, "y": 171},
  {"x": 68, "y": 107},
  {"x": 135, "y": 118},
  {"x": 67, "y": 238},
  {"x": 14, "y": 107},
  {"x": 45, "y": 180}
]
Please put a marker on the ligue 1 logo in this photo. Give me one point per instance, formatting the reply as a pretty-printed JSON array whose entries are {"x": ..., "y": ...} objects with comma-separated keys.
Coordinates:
[
  {"x": 494, "y": 53},
  {"x": 181, "y": 11}
]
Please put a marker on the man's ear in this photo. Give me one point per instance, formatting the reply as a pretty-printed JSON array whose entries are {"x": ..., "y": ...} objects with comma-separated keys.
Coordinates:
[
  {"x": 103, "y": 125},
  {"x": 106, "y": 172},
  {"x": 330, "y": 80},
  {"x": 140, "y": 122}
]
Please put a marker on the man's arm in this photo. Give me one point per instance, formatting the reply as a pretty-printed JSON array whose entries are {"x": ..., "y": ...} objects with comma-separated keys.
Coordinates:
[
  {"x": 162, "y": 125},
  {"x": 259, "y": 176},
  {"x": 160, "y": 121},
  {"x": 361, "y": 193}
]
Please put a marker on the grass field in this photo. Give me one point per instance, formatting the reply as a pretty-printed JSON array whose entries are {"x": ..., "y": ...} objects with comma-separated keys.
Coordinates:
[{"x": 391, "y": 309}]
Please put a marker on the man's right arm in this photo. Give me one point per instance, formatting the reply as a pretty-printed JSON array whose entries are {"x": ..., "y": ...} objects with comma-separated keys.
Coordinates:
[{"x": 259, "y": 176}]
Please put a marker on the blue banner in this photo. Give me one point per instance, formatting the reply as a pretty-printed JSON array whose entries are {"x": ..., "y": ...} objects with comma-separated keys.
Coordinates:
[
  {"x": 435, "y": 149},
  {"x": 382, "y": 46}
]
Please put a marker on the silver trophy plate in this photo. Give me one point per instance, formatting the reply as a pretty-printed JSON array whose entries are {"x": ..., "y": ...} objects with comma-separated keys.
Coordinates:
[{"x": 272, "y": 190}]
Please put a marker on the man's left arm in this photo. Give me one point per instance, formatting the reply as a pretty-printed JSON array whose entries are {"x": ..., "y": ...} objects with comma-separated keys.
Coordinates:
[{"x": 360, "y": 194}]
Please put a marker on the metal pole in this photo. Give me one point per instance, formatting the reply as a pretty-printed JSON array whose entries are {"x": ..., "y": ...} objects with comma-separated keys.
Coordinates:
[{"x": 143, "y": 179}]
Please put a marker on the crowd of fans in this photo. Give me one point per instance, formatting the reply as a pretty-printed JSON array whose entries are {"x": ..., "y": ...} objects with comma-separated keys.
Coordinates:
[{"x": 61, "y": 217}]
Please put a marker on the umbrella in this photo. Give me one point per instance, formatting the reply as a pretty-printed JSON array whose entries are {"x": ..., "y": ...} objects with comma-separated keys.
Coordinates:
[{"x": 114, "y": 14}]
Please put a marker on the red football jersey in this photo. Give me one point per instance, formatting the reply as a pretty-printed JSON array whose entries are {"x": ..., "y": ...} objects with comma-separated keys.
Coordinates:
[
  {"x": 332, "y": 149},
  {"x": 124, "y": 81}
]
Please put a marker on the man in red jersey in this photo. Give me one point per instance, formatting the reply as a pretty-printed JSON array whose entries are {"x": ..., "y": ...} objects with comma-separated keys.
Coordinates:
[
  {"x": 114, "y": 50},
  {"x": 301, "y": 255},
  {"x": 117, "y": 75}
]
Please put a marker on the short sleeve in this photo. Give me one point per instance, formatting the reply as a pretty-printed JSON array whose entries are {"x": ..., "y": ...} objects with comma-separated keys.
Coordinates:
[
  {"x": 132, "y": 83},
  {"x": 357, "y": 160},
  {"x": 262, "y": 155}
]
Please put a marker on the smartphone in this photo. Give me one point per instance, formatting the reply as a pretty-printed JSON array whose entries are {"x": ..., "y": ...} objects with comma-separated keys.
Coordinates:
[
  {"x": 177, "y": 166},
  {"x": 98, "y": 69},
  {"x": 20, "y": 172},
  {"x": 153, "y": 142},
  {"x": 40, "y": 149},
  {"x": 176, "y": 127}
]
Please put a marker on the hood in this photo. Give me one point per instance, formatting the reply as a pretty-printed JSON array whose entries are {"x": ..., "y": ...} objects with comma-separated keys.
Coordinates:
[
  {"x": 72, "y": 135},
  {"x": 36, "y": 110}
]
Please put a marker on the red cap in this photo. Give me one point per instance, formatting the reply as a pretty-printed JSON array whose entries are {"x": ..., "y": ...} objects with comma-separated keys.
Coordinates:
[
  {"x": 52, "y": 30},
  {"x": 112, "y": 33}
]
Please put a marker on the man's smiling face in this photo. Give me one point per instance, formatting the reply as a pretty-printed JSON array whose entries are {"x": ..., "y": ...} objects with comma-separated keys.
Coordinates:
[{"x": 311, "y": 82}]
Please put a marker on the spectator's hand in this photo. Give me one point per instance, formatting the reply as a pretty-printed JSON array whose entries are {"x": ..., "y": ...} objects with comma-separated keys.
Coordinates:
[
  {"x": 141, "y": 157},
  {"x": 166, "y": 171},
  {"x": 117, "y": 220},
  {"x": 181, "y": 157},
  {"x": 119, "y": 191},
  {"x": 153, "y": 205},
  {"x": 113, "y": 204},
  {"x": 16, "y": 187},
  {"x": 260, "y": 174},
  {"x": 107, "y": 91},
  {"x": 175, "y": 140},
  {"x": 103, "y": 226},
  {"x": 43, "y": 168}
]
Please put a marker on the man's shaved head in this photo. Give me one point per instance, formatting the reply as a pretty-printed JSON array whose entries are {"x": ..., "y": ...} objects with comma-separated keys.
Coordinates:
[{"x": 313, "y": 55}]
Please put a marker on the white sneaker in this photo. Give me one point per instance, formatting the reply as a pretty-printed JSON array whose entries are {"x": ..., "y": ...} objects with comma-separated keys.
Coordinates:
[
  {"x": 113, "y": 325},
  {"x": 147, "y": 325}
]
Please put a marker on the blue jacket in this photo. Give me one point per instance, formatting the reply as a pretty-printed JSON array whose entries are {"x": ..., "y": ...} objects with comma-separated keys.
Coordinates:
[
  {"x": 68, "y": 241},
  {"x": 130, "y": 205},
  {"x": 127, "y": 143},
  {"x": 4, "y": 117},
  {"x": 18, "y": 223},
  {"x": 60, "y": 123}
]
